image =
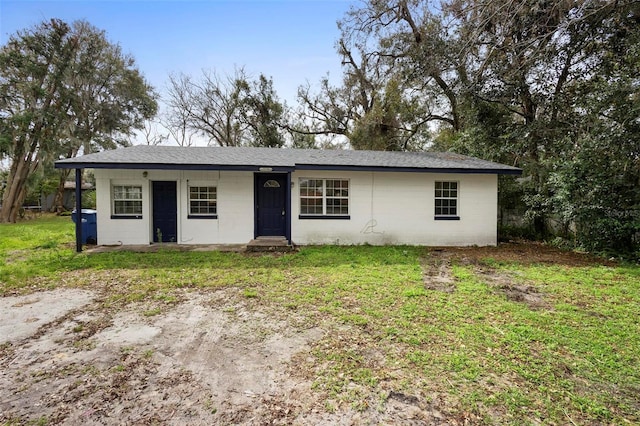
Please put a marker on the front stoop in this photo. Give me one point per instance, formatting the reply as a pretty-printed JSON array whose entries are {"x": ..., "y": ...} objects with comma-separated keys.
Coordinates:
[{"x": 275, "y": 244}]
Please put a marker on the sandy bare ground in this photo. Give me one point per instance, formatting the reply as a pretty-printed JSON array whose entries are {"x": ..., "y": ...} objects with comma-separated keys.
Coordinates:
[{"x": 68, "y": 358}]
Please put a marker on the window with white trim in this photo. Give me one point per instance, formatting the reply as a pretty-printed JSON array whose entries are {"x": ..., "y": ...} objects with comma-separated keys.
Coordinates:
[
  {"x": 203, "y": 201},
  {"x": 446, "y": 199},
  {"x": 127, "y": 200},
  {"x": 324, "y": 197}
]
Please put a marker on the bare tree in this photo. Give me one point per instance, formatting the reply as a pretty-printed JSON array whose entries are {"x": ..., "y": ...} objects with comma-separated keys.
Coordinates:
[
  {"x": 176, "y": 121},
  {"x": 152, "y": 135},
  {"x": 228, "y": 110}
]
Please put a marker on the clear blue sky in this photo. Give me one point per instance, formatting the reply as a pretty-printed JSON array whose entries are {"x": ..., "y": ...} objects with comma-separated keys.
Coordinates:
[{"x": 290, "y": 41}]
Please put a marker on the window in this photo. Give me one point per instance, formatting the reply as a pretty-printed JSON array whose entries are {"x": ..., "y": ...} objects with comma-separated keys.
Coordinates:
[
  {"x": 446, "y": 200},
  {"x": 202, "y": 201},
  {"x": 324, "y": 197},
  {"x": 271, "y": 184},
  {"x": 127, "y": 200}
]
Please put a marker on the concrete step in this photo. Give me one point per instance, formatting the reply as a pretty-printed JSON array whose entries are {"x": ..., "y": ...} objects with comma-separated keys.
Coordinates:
[{"x": 274, "y": 244}]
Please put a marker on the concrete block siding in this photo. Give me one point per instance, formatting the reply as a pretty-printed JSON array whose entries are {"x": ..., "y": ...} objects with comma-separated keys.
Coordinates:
[{"x": 384, "y": 208}]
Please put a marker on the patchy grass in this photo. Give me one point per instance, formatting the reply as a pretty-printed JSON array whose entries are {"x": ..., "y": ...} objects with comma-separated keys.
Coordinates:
[{"x": 484, "y": 355}]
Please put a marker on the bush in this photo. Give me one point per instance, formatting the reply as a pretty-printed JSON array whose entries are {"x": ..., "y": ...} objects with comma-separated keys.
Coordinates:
[{"x": 89, "y": 199}]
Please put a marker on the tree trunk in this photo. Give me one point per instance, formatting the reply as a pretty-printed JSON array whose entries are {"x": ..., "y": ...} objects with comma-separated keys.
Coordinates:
[
  {"x": 58, "y": 199},
  {"x": 14, "y": 193}
]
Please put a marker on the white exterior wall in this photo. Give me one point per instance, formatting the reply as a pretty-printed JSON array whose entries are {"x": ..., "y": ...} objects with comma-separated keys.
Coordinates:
[
  {"x": 384, "y": 208},
  {"x": 234, "y": 200},
  {"x": 398, "y": 208}
]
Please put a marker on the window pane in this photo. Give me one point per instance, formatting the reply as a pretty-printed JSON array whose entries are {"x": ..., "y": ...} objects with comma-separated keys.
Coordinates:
[
  {"x": 127, "y": 207},
  {"x": 342, "y": 207},
  {"x": 133, "y": 192},
  {"x": 311, "y": 206}
]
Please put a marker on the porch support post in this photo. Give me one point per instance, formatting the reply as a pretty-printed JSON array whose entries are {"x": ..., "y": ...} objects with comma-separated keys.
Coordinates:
[
  {"x": 78, "y": 210},
  {"x": 287, "y": 225}
]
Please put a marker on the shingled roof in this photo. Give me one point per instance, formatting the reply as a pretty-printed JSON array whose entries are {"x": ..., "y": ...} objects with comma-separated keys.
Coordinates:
[{"x": 281, "y": 159}]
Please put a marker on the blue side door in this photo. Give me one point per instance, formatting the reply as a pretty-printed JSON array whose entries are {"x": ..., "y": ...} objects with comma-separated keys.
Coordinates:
[{"x": 165, "y": 212}]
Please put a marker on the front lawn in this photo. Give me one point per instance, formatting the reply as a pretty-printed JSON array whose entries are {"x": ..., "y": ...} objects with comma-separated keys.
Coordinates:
[{"x": 481, "y": 335}]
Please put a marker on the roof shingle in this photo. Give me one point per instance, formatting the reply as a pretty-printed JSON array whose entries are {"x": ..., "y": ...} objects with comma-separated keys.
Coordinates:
[{"x": 249, "y": 158}]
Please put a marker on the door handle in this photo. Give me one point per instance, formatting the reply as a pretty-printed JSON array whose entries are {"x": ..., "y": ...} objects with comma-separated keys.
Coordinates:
[{"x": 283, "y": 213}]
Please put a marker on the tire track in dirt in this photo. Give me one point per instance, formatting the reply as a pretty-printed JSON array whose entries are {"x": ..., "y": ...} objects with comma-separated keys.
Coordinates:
[{"x": 437, "y": 275}]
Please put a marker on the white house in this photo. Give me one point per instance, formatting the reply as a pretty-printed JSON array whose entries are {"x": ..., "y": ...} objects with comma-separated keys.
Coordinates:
[{"x": 192, "y": 195}]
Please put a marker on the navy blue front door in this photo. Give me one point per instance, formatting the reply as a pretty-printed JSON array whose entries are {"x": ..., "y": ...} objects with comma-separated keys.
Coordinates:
[
  {"x": 165, "y": 212},
  {"x": 271, "y": 214}
]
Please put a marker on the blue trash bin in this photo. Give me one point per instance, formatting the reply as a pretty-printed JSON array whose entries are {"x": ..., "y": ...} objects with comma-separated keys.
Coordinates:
[{"x": 89, "y": 225}]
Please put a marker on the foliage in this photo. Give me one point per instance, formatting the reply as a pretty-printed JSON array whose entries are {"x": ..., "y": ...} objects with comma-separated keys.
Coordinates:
[
  {"x": 89, "y": 199},
  {"x": 228, "y": 110},
  {"x": 597, "y": 185},
  {"x": 263, "y": 113},
  {"x": 64, "y": 89}
]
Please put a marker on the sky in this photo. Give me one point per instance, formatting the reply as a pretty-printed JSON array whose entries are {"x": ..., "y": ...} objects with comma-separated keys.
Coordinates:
[{"x": 291, "y": 41}]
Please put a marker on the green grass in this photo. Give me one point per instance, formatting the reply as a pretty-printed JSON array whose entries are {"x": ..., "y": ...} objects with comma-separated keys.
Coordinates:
[{"x": 573, "y": 360}]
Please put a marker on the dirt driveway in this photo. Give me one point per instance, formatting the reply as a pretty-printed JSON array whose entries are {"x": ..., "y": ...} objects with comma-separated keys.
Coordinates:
[{"x": 66, "y": 358}]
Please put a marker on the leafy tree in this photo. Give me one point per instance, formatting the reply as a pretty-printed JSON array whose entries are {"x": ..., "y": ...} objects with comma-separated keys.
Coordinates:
[
  {"x": 227, "y": 110},
  {"x": 596, "y": 186},
  {"x": 64, "y": 89},
  {"x": 263, "y": 113}
]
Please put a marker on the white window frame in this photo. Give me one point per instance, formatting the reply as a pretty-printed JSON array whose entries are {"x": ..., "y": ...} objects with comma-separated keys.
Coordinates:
[
  {"x": 123, "y": 196},
  {"x": 443, "y": 192},
  {"x": 325, "y": 198},
  {"x": 191, "y": 214}
]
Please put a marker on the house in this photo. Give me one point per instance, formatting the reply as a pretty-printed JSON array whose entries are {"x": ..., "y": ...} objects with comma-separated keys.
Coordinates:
[
  {"x": 68, "y": 196},
  {"x": 207, "y": 195}
]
